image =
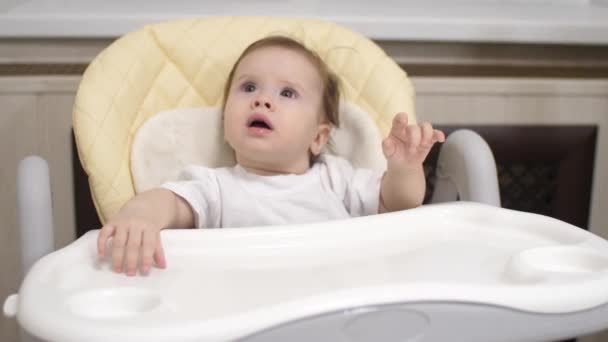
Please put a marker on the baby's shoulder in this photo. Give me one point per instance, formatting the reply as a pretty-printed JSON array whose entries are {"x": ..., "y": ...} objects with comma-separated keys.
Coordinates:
[
  {"x": 339, "y": 168},
  {"x": 333, "y": 160},
  {"x": 333, "y": 163},
  {"x": 334, "y": 169}
]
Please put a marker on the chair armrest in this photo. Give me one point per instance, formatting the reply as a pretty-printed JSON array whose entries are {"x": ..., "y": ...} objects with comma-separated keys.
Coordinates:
[
  {"x": 466, "y": 169},
  {"x": 34, "y": 206}
]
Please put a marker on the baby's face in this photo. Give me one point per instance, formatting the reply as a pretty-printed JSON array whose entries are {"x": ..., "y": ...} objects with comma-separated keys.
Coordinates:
[{"x": 272, "y": 115}]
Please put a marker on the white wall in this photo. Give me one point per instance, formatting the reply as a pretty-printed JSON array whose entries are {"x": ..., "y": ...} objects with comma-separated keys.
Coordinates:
[{"x": 534, "y": 21}]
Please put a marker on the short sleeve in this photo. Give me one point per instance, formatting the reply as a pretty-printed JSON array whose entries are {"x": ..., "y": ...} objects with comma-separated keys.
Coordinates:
[
  {"x": 199, "y": 187},
  {"x": 358, "y": 188}
]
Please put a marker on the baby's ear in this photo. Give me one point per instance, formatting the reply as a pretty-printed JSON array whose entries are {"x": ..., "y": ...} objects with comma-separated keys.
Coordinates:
[{"x": 320, "y": 140}]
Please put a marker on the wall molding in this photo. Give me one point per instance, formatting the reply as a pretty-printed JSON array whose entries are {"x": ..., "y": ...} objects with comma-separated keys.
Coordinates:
[
  {"x": 71, "y": 56},
  {"x": 39, "y": 84},
  {"x": 509, "y": 86}
]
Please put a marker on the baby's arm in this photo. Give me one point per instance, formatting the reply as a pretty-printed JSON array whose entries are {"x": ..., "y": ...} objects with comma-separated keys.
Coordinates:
[
  {"x": 137, "y": 225},
  {"x": 403, "y": 184}
]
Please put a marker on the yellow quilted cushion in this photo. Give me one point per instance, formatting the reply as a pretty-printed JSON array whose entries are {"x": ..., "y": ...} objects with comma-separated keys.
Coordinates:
[{"x": 185, "y": 63}]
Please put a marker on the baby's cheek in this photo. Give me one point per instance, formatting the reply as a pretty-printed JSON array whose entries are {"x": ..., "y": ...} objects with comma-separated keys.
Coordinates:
[{"x": 230, "y": 131}]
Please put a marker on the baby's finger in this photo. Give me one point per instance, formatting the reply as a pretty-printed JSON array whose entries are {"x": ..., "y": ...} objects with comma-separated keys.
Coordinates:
[
  {"x": 400, "y": 118},
  {"x": 102, "y": 238},
  {"x": 148, "y": 248},
  {"x": 399, "y": 124},
  {"x": 427, "y": 135},
  {"x": 118, "y": 249},
  {"x": 133, "y": 249},
  {"x": 159, "y": 253},
  {"x": 388, "y": 146},
  {"x": 438, "y": 136},
  {"x": 414, "y": 135}
]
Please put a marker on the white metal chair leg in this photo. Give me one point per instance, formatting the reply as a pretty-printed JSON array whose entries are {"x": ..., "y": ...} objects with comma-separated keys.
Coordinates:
[{"x": 35, "y": 210}]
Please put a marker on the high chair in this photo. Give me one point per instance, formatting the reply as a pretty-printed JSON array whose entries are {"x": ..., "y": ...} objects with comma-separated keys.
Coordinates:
[{"x": 457, "y": 271}]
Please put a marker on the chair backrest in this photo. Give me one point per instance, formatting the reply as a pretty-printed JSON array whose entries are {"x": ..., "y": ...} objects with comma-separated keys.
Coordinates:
[{"x": 185, "y": 63}]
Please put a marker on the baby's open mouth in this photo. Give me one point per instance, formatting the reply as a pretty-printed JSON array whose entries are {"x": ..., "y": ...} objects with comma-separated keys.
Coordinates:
[
  {"x": 260, "y": 124},
  {"x": 259, "y": 121}
]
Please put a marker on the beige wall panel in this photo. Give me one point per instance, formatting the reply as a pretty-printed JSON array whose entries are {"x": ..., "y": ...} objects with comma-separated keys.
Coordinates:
[{"x": 17, "y": 120}]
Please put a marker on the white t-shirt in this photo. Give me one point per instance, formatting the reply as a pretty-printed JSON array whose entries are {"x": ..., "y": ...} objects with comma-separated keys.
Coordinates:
[{"x": 233, "y": 197}]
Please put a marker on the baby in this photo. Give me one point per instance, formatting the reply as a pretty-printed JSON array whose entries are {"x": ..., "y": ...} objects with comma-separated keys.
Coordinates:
[{"x": 280, "y": 104}]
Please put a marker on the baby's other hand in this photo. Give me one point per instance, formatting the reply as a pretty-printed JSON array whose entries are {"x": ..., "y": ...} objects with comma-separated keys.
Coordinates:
[
  {"x": 406, "y": 147},
  {"x": 130, "y": 237}
]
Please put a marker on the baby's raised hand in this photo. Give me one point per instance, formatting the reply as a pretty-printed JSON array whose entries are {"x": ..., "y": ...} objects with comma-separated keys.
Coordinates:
[
  {"x": 133, "y": 239},
  {"x": 406, "y": 147}
]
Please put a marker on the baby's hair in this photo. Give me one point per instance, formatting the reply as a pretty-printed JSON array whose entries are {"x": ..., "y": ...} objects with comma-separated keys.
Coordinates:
[{"x": 330, "y": 99}]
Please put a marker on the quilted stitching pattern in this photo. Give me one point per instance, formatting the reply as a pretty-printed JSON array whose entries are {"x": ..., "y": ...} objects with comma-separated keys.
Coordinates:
[{"x": 185, "y": 63}]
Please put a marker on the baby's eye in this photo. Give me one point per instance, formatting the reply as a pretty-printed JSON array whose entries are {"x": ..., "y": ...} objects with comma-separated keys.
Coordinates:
[
  {"x": 248, "y": 87},
  {"x": 288, "y": 92}
]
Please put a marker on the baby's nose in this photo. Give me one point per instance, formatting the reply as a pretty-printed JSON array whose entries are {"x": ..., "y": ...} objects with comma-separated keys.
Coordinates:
[{"x": 264, "y": 102}]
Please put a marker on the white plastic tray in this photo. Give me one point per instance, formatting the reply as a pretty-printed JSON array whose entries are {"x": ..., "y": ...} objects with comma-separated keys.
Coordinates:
[{"x": 222, "y": 284}]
